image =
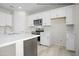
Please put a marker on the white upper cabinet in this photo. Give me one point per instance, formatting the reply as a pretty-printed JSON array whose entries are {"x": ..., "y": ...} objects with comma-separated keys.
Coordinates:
[
  {"x": 58, "y": 12},
  {"x": 30, "y": 21},
  {"x": 8, "y": 20},
  {"x": 63, "y": 12},
  {"x": 69, "y": 15},
  {"x": 46, "y": 18},
  {"x": 2, "y": 19},
  {"x": 5, "y": 19},
  {"x": 34, "y": 17},
  {"x": 53, "y": 13}
]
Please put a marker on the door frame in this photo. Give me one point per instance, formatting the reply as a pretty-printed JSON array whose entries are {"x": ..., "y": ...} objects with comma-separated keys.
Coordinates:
[{"x": 59, "y": 19}]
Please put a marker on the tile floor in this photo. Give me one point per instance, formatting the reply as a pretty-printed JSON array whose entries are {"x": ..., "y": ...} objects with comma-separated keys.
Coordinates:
[{"x": 54, "y": 51}]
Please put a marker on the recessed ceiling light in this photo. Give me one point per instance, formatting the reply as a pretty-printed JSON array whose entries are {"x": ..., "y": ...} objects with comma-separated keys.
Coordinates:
[{"x": 20, "y": 7}]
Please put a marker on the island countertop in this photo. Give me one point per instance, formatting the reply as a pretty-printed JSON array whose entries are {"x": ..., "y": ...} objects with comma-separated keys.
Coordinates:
[{"x": 13, "y": 38}]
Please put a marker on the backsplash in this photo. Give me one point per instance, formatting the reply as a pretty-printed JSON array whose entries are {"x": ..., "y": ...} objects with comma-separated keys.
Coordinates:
[
  {"x": 1, "y": 30},
  {"x": 4, "y": 29}
]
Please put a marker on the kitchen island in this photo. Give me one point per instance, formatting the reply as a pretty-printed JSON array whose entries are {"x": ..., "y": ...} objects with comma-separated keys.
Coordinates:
[{"x": 18, "y": 44}]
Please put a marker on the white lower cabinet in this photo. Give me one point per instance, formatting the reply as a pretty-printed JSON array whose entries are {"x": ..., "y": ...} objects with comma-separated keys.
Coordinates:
[
  {"x": 70, "y": 42},
  {"x": 45, "y": 36},
  {"x": 44, "y": 39}
]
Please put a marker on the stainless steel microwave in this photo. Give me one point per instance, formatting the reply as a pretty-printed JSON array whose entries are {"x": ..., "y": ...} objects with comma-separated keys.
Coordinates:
[{"x": 38, "y": 22}]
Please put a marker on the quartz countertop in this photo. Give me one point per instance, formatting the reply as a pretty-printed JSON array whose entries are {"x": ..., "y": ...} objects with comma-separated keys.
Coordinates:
[{"x": 7, "y": 39}]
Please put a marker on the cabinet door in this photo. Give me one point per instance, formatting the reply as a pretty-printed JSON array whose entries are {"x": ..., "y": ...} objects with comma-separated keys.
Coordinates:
[
  {"x": 30, "y": 47},
  {"x": 34, "y": 17},
  {"x": 44, "y": 39},
  {"x": 5, "y": 19},
  {"x": 30, "y": 21},
  {"x": 46, "y": 18},
  {"x": 8, "y": 20},
  {"x": 9, "y": 50},
  {"x": 53, "y": 13},
  {"x": 2, "y": 19},
  {"x": 69, "y": 13},
  {"x": 70, "y": 43}
]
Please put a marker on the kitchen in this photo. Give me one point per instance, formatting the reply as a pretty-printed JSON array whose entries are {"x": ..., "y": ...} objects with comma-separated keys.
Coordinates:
[{"x": 35, "y": 22}]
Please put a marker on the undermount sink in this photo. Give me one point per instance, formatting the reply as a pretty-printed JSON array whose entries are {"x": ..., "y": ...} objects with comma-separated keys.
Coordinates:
[{"x": 13, "y": 33}]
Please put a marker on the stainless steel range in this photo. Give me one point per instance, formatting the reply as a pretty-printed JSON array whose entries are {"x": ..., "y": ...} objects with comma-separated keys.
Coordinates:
[{"x": 37, "y": 32}]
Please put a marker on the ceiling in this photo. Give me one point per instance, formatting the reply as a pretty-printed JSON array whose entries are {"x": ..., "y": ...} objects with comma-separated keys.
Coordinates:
[{"x": 32, "y": 8}]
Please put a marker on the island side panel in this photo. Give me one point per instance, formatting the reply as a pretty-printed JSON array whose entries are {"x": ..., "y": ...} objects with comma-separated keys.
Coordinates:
[
  {"x": 30, "y": 47},
  {"x": 19, "y": 48},
  {"x": 9, "y": 50}
]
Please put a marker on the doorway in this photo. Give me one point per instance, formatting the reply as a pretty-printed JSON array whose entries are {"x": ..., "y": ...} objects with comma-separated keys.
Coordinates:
[{"x": 58, "y": 31}]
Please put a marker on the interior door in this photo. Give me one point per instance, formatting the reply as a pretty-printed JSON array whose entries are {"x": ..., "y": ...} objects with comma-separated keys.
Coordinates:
[{"x": 58, "y": 31}]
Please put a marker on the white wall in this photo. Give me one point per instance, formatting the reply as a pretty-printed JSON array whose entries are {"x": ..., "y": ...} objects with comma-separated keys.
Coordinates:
[{"x": 20, "y": 21}]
